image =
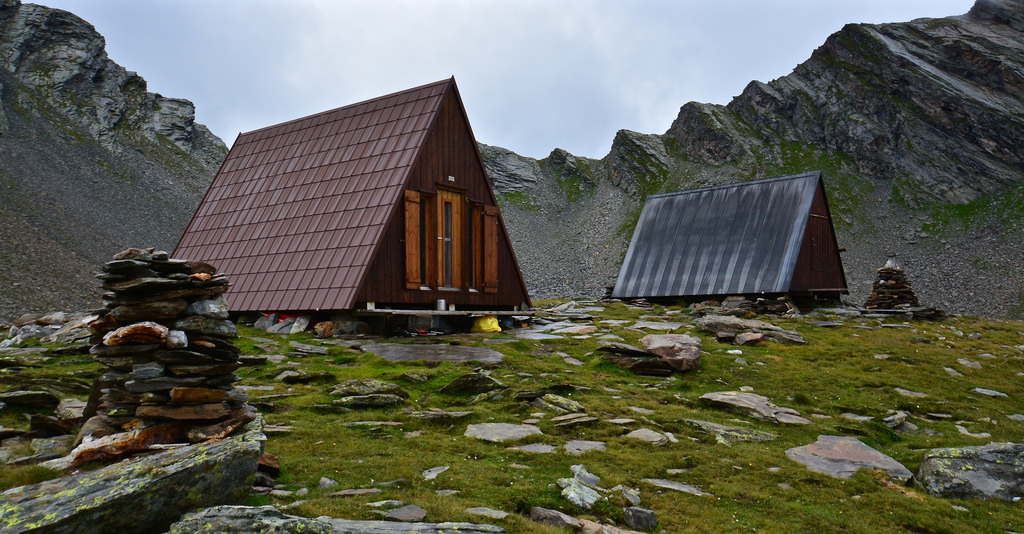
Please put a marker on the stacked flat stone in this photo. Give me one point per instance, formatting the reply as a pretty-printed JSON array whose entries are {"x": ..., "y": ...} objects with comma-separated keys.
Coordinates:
[
  {"x": 891, "y": 289},
  {"x": 165, "y": 339}
]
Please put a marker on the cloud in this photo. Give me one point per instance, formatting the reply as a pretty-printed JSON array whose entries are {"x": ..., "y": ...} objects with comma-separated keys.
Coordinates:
[{"x": 533, "y": 75}]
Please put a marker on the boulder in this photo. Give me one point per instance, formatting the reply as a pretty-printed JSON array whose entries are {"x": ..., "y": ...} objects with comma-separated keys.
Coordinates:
[
  {"x": 748, "y": 338},
  {"x": 37, "y": 400},
  {"x": 635, "y": 359},
  {"x": 554, "y": 518},
  {"x": 640, "y": 518},
  {"x": 145, "y": 494},
  {"x": 993, "y": 471},
  {"x": 680, "y": 351}
]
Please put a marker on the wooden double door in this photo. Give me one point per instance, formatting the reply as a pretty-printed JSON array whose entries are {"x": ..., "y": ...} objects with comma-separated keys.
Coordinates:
[{"x": 451, "y": 242}]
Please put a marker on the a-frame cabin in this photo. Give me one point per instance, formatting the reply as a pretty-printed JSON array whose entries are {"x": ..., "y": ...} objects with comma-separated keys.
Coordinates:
[
  {"x": 762, "y": 238},
  {"x": 383, "y": 203}
]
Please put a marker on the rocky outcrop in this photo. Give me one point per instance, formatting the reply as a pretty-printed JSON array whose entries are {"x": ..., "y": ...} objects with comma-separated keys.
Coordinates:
[
  {"x": 637, "y": 161},
  {"x": 509, "y": 171},
  {"x": 90, "y": 161},
  {"x": 62, "y": 60},
  {"x": 143, "y": 495}
]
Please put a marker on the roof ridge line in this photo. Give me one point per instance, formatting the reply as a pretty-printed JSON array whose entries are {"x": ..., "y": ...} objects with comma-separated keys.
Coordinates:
[
  {"x": 347, "y": 106},
  {"x": 737, "y": 184}
]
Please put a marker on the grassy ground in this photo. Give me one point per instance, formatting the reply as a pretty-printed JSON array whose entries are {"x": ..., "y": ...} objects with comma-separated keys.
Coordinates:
[{"x": 753, "y": 486}]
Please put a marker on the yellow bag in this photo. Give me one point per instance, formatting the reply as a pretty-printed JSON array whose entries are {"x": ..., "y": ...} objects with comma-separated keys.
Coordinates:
[{"x": 487, "y": 323}]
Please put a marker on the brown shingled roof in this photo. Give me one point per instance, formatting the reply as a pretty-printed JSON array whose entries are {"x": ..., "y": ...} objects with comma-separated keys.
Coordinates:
[{"x": 297, "y": 209}]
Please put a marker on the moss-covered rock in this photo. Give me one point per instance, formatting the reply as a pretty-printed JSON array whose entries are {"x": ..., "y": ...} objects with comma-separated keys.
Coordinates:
[
  {"x": 993, "y": 471},
  {"x": 145, "y": 494}
]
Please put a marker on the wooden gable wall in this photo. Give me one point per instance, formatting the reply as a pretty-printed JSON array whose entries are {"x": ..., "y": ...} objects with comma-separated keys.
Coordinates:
[
  {"x": 819, "y": 268},
  {"x": 449, "y": 151}
]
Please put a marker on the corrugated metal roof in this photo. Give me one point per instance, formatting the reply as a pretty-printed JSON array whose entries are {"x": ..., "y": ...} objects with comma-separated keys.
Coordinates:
[
  {"x": 310, "y": 197},
  {"x": 726, "y": 240}
]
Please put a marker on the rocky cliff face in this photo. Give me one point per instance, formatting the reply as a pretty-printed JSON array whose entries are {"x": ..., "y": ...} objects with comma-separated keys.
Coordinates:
[
  {"x": 918, "y": 127},
  {"x": 90, "y": 162}
]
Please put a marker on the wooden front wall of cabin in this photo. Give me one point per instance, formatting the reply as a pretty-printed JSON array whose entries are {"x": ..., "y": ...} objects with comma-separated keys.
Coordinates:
[
  {"x": 468, "y": 262},
  {"x": 819, "y": 268}
]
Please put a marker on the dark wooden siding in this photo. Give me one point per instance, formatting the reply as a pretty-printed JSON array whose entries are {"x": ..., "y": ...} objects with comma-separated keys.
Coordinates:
[
  {"x": 819, "y": 268},
  {"x": 449, "y": 151}
]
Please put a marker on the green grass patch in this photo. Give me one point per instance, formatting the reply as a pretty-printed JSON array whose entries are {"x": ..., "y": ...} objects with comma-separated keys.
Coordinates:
[
  {"x": 856, "y": 369},
  {"x": 518, "y": 199}
]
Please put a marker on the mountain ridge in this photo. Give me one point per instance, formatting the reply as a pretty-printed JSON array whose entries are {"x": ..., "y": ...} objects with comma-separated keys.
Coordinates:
[
  {"x": 918, "y": 127},
  {"x": 90, "y": 161}
]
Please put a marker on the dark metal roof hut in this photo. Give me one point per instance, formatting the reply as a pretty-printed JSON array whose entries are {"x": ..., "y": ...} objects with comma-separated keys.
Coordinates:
[
  {"x": 768, "y": 237},
  {"x": 384, "y": 201}
]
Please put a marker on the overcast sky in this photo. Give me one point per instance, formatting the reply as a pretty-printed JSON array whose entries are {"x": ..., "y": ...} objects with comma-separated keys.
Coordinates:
[{"x": 534, "y": 75}]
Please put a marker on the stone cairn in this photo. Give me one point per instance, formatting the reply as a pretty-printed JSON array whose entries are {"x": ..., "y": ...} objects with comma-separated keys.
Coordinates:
[
  {"x": 165, "y": 339},
  {"x": 891, "y": 289}
]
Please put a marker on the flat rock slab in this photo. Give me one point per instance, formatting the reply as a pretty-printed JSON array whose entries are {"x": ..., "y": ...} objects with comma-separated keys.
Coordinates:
[
  {"x": 248, "y": 519},
  {"x": 398, "y": 352},
  {"x": 368, "y": 386},
  {"x": 487, "y": 512},
  {"x": 536, "y": 336},
  {"x": 440, "y": 415},
  {"x": 242, "y": 519},
  {"x": 657, "y": 325},
  {"x": 993, "y": 471},
  {"x": 538, "y": 448},
  {"x": 909, "y": 393},
  {"x": 308, "y": 349},
  {"x": 842, "y": 456},
  {"x": 755, "y": 405},
  {"x": 677, "y": 486},
  {"x": 409, "y": 513},
  {"x": 501, "y": 431},
  {"x": 727, "y": 435},
  {"x": 578, "y": 330},
  {"x": 989, "y": 392},
  {"x": 650, "y": 436},
  {"x": 348, "y": 526},
  {"x": 577, "y": 447}
]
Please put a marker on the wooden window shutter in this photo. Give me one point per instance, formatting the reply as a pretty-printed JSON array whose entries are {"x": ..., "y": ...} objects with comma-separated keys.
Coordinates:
[
  {"x": 490, "y": 249},
  {"x": 413, "y": 276}
]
